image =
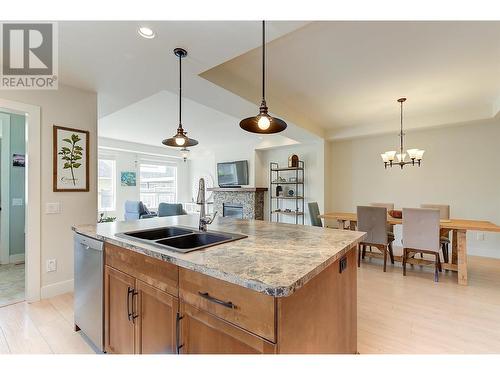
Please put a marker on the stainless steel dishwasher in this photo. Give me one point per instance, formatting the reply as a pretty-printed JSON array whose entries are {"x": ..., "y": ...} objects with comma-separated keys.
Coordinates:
[{"x": 89, "y": 281}]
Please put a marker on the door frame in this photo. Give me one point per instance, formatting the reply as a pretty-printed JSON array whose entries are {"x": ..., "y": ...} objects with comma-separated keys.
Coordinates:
[{"x": 32, "y": 194}]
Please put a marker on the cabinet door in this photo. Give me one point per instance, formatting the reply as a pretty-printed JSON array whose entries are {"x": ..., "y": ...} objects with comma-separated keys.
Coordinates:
[
  {"x": 156, "y": 320},
  {"x": 203, "y": 333},
  {"x": 118, "y": 301}
]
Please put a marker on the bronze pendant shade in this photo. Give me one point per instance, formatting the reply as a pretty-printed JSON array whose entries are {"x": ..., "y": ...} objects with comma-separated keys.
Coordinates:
[
  {"x": 263, "y": 123},
  {"x": 180, "y": 139}
]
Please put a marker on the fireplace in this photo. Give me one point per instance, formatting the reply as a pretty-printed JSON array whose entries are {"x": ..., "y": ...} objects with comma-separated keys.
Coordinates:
[
  {"x": 241, "y": 203},
  {"x": 232, "y": 210}
]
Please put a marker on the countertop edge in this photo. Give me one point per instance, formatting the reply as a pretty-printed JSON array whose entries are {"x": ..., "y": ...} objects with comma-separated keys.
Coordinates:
[{"x": 258, "y": 286}]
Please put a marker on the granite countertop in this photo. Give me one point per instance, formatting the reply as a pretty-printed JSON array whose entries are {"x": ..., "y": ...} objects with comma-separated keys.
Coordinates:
[{"x": 275, "y": 259}]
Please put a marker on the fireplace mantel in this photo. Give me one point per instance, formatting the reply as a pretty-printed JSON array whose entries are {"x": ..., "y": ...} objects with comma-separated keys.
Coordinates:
[{"x": 242, "y": 189}]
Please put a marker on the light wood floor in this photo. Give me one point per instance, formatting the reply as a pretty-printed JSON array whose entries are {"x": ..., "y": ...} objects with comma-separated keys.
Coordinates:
[
  {"x": 413, "y": 314},
  {"x": 396, "y": 314}
]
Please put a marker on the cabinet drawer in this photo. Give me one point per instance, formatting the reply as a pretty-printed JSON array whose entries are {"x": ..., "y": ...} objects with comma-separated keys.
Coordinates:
[
  {"x": 155, "y": 272},
  {"x": 203, "y": 333},
  {"x": 243, "y": 307}
]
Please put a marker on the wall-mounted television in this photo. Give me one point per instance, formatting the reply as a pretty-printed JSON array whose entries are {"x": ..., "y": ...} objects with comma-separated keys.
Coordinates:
[{"x": 234, "y": 173}]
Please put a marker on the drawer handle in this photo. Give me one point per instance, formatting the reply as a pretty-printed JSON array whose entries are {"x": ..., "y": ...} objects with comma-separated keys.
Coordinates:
[
  {"x": 207, "y": 296},
  {"x": 130, "y": 292}
]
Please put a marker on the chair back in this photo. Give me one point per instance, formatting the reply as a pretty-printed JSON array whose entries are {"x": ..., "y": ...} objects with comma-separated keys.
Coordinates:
[
  {"x": 421, "y": 229},
  {"x": 444, "y": 209},
  {"x": 132, "y": 210},
  {"x": 170, "y": 209},
  {"x": 373, "y": 221},
  {"x": 389, "y": 206},
  {"x": 314, "y": 214}
]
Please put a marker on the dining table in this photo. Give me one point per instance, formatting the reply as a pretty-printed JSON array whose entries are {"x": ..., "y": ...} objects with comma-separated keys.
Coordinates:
[{"x": 458, "y": 227}]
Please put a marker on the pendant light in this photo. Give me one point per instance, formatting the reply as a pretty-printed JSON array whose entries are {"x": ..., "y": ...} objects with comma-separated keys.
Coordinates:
[
  {"x": 263, "y": 123},
  {"x": 180, "y": 139},
  {"x": 415, "y": 154}
]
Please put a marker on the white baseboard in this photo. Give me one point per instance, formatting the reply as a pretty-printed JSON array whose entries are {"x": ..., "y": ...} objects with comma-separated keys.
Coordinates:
[
  {"x": 55, "y": 289},
  {"x": 16, "y": 258}
]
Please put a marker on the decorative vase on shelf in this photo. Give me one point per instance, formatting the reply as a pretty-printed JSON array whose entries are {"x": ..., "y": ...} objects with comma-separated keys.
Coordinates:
[
  {"x": 293, "y": 161},
  {"x": 279, "y": 190}
]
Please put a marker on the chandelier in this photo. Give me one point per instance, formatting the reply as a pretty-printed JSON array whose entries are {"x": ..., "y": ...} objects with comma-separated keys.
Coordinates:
[{"x": 414, "y": 154}]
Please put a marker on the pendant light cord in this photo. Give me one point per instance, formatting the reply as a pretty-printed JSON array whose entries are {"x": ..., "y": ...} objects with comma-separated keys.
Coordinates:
[
  {"x": 180, "y": 91},
  {"x": 263, "y": 60},
  {"x": 401, "y": 135}
]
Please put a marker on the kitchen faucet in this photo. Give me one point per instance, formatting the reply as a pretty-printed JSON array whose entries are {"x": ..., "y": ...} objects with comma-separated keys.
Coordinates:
[{"x": 204, "y": 219}]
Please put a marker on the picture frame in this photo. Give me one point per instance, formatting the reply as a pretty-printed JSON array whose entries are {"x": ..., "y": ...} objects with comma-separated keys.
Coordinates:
[
  {"x": 70, "y": 159},
  {"x": 128, "y": 178}
]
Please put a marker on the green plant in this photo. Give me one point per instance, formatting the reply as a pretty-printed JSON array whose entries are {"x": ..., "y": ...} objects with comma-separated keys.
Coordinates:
[
  {"x": 72, "y": 155},
  {"x": 107, "y": 219}
]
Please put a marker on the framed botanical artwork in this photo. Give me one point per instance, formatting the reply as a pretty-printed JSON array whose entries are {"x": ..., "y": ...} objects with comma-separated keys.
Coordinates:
[{"x": 70, "y": 159}]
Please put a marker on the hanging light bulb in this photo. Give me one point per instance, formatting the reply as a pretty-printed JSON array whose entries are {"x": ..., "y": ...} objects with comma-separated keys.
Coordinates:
[
  {"x": 263, "y": 123},
  {"x": 180, "y": 139}
]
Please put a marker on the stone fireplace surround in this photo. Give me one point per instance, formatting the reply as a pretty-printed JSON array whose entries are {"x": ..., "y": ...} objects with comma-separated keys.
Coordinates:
[{"x": 252, "y": 200}]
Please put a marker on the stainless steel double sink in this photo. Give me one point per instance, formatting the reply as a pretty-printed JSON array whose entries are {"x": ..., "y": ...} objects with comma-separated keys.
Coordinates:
[{"x": 181, "y": 239}]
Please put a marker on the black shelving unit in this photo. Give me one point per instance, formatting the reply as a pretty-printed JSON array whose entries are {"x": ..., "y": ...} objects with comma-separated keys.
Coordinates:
[{"x": 278, "y": 205}]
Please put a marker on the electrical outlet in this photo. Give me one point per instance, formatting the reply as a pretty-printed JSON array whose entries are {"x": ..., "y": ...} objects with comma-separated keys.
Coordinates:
[
  {"x": 51, "y": 265},
  {"x": 480, "y": 236}
]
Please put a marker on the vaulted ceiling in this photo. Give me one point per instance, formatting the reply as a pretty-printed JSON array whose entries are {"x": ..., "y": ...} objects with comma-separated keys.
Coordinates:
[{"x": 331, "y": 79}]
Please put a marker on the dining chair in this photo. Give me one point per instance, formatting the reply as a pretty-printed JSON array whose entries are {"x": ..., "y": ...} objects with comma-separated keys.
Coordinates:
[
  {"x": 314, "y": 214},
  {"x": 444, "y": 239},
  {"x": 373, "y": 221},
  {"x": 421, "y": 235},
  {"x": 390, "y": 227}
]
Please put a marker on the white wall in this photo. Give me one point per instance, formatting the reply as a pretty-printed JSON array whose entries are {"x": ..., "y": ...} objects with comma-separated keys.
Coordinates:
[
  {"x": 128, "y": 156},
  {"x": 313, "y": 156},
  {"x": 73, "y": 108},
  {"x": 460, "y": 168},
  {"x": 206, "y": 162}
]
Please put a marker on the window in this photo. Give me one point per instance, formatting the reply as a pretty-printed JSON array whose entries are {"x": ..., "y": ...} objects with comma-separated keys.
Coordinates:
[
  {"x": 158, "y": 184},
  {"x": 106, "y": 185}
]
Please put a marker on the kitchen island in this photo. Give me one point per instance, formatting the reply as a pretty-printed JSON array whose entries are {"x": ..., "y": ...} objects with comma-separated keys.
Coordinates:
[{"x": 282, "y": 289}]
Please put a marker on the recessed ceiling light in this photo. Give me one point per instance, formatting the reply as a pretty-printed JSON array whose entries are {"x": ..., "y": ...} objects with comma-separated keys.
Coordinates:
[{"x": 146, "y": 32}]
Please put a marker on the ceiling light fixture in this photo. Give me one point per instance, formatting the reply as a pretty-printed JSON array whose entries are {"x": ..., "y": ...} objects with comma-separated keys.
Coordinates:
[
  {"x": 146, "y": 32},
  {"x": 415, "y": 154},
  {"x": 184, "y": 153},
  {"x": 180, "y": 139},
  {"x": 263, "y": 123}
]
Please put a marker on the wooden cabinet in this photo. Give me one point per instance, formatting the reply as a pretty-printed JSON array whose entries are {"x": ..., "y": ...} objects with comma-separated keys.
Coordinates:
[
  {"x": 152, "y": 306},
  {"x": 156, "y": 320},
  {"x": 139, "y": 318},
  {"x": 203, "y": 333},
  {"x": 246, "y": 308},
  {"x": 119, "y": 336}
]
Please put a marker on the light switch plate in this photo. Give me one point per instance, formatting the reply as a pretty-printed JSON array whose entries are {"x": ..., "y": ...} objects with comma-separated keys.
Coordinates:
[{"x": 53, "y": 208}]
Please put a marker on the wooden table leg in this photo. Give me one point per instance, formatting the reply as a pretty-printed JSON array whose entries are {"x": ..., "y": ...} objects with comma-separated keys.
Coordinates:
[
  {"x": 454, "y": 247},
  {"x": 462, "y": 255}
]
